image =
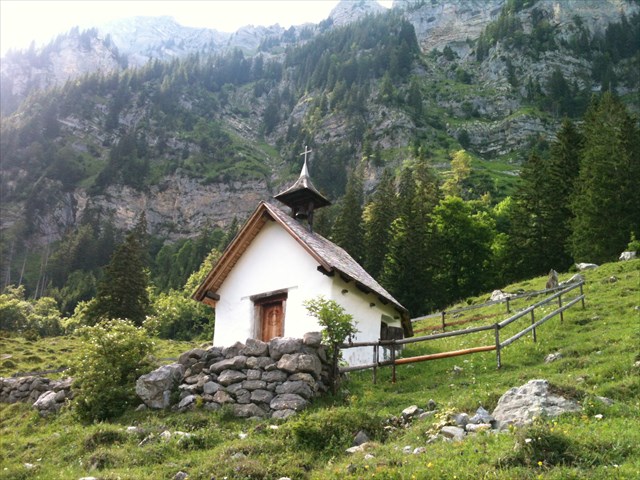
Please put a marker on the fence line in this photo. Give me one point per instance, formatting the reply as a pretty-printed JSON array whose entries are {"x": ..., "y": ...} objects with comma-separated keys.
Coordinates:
[
  {"x": 496, "y": 327},
  {"x": 507, "y": 300}
]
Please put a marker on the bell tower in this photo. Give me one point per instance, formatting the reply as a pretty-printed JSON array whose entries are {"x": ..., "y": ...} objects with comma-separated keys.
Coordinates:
[{"x": 302, "y": 197}]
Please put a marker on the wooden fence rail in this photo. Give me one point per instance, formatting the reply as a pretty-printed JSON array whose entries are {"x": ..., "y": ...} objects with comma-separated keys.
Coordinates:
[{"x": 496, "y": 327}]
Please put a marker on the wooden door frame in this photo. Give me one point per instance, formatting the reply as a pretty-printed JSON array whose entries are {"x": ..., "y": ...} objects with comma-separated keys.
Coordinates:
[{"x": 277, "y": 296}]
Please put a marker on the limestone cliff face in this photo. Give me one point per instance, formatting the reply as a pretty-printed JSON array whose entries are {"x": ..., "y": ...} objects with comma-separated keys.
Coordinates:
[{"x": 178, "y": 207}]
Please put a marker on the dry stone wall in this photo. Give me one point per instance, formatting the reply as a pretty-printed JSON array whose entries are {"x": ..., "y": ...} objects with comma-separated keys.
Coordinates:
[
  {"x": 254, "y": 379},
  {"x": 47, "y": 395}
]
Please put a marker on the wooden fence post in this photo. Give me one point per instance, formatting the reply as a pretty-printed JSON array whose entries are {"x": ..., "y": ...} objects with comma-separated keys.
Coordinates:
[
  {"x": 533, "y": 320},
  {"x": 375, "y": 362},
  {"x": 393, "y": 362},
  {"x": 560, "y": 306},
  {"x": 498, "y": 360},
  {"x": 442, "y": 314},
  {"x": 508, "y": 306},
  {"x": 336, "y": 370},
  {"x": 582, "y": 293}
]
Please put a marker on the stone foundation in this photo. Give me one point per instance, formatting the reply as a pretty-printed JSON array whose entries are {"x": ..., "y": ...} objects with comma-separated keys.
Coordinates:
[{"x": 255, "y": 379}]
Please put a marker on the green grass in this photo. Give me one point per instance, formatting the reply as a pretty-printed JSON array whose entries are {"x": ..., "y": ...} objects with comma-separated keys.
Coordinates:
[{"x": 599, "y": 346}]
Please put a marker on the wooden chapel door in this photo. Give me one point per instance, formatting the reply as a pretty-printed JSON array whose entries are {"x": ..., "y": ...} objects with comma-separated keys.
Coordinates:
[{"x": 272, "y": 320}]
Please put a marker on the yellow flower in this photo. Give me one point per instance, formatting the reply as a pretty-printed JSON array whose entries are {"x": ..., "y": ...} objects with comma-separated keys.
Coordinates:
[
  {"x": 539, "y": 463},
  {"x": 429, "y": 465}
]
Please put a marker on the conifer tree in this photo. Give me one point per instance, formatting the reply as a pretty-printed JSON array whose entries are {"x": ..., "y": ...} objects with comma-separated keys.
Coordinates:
[
  {"x": 122, "y": 292},
  {"x": 606, "y": 200},
  {"x": 378, "y": 217},
  {"x": 409, "y": 265},
  {"x": 348, "y": 230}
]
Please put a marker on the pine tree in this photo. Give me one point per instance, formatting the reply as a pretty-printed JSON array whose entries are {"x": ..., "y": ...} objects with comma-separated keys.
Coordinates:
[{"x": 606, "y": 200}]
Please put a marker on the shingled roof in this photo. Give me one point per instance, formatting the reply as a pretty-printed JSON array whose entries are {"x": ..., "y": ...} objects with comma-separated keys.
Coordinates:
[{"x": 332, "y": 259}]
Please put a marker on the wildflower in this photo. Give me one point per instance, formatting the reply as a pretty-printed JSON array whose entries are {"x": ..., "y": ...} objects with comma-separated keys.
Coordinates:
[
  {"x": 429, "y": 465},
  {"x": 539, "y": 463}
]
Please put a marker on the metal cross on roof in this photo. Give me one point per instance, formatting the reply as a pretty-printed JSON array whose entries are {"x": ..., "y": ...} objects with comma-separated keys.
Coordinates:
[{"x": 306, "y": 151}]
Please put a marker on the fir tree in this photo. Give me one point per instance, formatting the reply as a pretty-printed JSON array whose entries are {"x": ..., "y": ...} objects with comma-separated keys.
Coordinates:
[
  {"x": 378, "y": 216},
  {"x": 122, "y": 292},
  {"x": 606, "y": 200},
  {"x": 347, "y": 230}
]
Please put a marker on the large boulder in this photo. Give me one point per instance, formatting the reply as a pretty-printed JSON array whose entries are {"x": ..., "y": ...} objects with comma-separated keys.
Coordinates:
[
  {"x": 155, "y": 388},
  {"x": 521, "y": 405}
]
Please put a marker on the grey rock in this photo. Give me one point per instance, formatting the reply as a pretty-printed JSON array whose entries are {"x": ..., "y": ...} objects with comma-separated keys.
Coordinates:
[
  {"x": 255, "y": 348},
  {"x": 280, "y": 346},
  {"x": 624, "y": 256},
  {"x": 211, "y": 406},
  {"x": 211, "y": 387},
  {"x": 154, "y": 388},
  {"x": 552, "y": 357},
  {"x": 605, "y": 401},
  {"x": 60, "y": 396},
  {"x": 407, "y": 449},
  {"x": 191, "y": 357},
  {"x": 275, "y": 376},
  {"x": 181, "y": 476},
  {"x": 454, "y": 433},
  {"x": 586, "y": 266},
  {"x": 419, "y": 450},
  {"x": 312, "y": 339},
  {"x": 360, "y": 438},
  {"x": 481, "y": 416},
  {"x": 461, "y": 419},
  {"x": 300, "y": 388},
  {"x": 288, "y": 401},
  {"x": 412, "y": 411},
  {"x": 46, "y": 402},
  {"x": 520, "y": 405},
  {"x": 186, "y": 401},
  {"x": 254, "y": 374},
  {"x": 431, "y": 404},
  {"x": 477, "y": 427},
  {"x": 248, "y": 410},
  {"x": 235, "y": 363},
  {"x": 300, "y": 362},
  {"x": 223, "y": 397},
  {"x": 254, "y": 384},
  {"x": 259, "y": 362},
  {"x": 261, "y": 396},
  {"x": 233, "y": 351},
  {"x": 231, "y": 376},
  {"x": 577, "y": 278},
  {"x": 243, "y": 396},
  {"x": 302, "y": 377}
]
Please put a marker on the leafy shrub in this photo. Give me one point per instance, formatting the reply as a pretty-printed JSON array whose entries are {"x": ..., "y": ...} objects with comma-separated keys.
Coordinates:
[
  {"x": 634, "y": 244},
  {"x": 337, "y": 324},
  {"x": 112, "y": 357},
  {"x": 33, "y": 318},
  {"x": 178, "y": 316}
]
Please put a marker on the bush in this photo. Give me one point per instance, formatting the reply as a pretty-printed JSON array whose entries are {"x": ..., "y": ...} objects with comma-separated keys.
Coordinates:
[
  {"x": 29, "y": 317},
  {"x": 178, "y": 317},
  {"x": 113, "y": 355},
  {"x": 337, "y": 324}
]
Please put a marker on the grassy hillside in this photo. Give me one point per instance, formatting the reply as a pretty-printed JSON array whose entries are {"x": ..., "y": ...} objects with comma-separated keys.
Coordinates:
[{"x": 599, "y": 347}]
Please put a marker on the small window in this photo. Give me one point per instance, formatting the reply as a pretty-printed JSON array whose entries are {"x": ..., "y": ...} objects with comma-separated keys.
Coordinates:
[{"x": 269, "y": 315}]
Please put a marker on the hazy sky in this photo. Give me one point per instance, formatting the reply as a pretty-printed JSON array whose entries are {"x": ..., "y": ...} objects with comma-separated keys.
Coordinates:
[{"x": 23, "y": 21}]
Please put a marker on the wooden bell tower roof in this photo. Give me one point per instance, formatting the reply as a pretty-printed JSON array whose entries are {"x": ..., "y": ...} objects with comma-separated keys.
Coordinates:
[{"x": 302, "y": 195}]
